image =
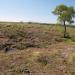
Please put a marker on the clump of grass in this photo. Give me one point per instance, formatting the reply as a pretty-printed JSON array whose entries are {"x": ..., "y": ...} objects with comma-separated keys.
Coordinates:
[{"x": 44, "y": 60}]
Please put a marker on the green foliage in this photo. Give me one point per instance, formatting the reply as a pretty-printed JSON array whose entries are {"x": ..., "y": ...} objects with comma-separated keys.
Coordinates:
[{"x": 65, "y": 13}]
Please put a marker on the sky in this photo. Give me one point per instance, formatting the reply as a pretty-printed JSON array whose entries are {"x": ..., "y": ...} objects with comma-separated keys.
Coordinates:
[{"x": 31, "y": 10}]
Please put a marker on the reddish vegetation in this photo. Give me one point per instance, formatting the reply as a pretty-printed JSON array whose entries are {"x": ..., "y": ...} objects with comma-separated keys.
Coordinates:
[{"x": 36, "y": 50}]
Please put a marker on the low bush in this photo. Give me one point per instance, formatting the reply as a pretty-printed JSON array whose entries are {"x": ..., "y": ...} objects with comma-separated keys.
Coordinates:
[{"x": 44, "y": 60}]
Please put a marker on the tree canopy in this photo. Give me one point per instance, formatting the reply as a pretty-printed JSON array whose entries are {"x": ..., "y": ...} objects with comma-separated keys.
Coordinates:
[{"x": 65, "y": 13}]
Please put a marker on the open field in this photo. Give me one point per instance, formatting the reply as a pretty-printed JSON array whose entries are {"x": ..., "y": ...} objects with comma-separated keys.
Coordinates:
[{"x": 36, "y": 49}]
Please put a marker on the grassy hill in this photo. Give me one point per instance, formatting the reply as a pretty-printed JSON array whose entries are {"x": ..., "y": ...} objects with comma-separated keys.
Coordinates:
[{"x": 36, "y": 49}]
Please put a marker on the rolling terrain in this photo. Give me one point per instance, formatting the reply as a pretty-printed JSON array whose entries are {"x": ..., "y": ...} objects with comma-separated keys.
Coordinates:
[{"x": 36, "y": 49}]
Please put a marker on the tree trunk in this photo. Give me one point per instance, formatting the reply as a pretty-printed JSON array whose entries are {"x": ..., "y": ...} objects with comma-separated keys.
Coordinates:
[{"x": 64, "y": 30}]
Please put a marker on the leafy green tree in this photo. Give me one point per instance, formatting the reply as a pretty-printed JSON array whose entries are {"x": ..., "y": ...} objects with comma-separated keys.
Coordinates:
[{"x": 65, "y": 15}]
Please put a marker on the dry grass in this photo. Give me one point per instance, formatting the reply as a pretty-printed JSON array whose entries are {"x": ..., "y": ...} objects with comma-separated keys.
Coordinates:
[
  {"x": 49, "y": 61},
  {"x": 36, "y": 49}
]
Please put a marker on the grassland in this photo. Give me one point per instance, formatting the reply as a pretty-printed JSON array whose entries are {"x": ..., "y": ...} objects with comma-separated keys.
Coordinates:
[{"x": 36, "y": 49}]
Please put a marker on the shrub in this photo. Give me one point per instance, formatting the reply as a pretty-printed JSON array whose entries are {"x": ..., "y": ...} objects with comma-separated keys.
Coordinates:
[
  {"x": 1, "y": 46},
  {"x": 59, "y": 39},
  {"x": 43, "y": 60},
  {"x": 20, "y": 46},
  {"x": 29, "y": 22}
]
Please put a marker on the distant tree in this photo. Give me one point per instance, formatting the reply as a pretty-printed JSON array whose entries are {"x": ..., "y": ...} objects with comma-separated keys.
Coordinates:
[{"x": 65, "y": 15}]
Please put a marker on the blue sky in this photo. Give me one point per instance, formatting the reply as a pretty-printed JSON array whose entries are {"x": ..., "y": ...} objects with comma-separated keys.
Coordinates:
[{"x": 30, "y": 10}]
